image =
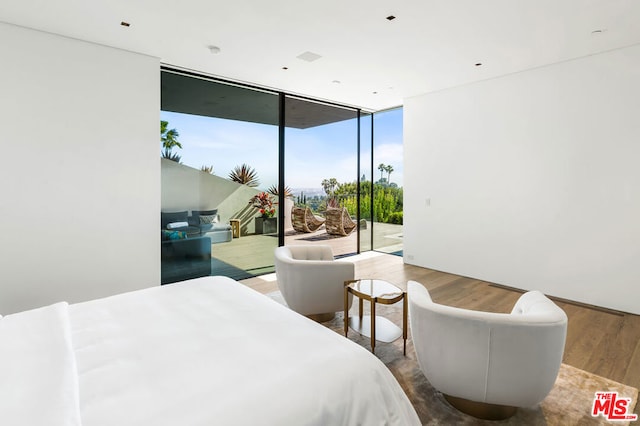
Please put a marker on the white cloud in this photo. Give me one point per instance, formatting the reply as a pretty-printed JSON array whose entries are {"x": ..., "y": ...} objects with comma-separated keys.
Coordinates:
[{"x": 391, "y": 154}]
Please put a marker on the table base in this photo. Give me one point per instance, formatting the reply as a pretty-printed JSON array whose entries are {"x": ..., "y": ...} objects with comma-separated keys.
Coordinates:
[{"x": 386, "y": 331}]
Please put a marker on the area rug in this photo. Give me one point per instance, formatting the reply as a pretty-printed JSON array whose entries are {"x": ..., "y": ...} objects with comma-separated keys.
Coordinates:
[{"x": 568, "y": 404}]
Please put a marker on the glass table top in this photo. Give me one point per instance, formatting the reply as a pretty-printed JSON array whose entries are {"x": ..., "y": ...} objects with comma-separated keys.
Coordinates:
[{"x": 375, "y": 288}]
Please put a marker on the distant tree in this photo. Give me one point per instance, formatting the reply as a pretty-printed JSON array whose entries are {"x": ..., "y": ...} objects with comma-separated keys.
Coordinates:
[
  {"x": 386, "y": 202},
  {"x": 389, "y": 169},
  {"x": 382, "y": 169},
  {"x": 245, "y": 175},
  {"x": 169, "y": 139},
  {"x": 207, "y": 169},
  {"x": 329, "y": 186},
  {"x": 301, "y": 200}
]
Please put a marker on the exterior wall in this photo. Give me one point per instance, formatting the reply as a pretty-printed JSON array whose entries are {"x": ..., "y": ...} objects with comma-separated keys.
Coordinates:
[
  {"x": 186, "y": 188},
  {"x": 80, "y": 177},
  {"x": 531, "y": 180}
]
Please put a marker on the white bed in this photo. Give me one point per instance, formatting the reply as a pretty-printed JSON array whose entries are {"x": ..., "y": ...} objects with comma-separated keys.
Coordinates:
[{"x": 203, "y": 352}]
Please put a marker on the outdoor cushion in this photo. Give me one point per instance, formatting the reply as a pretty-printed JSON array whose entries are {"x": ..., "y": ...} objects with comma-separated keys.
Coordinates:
[
  {"x": 214, "y": 227},
  {"x": 169, "y": 217},
  {"x": 205, "y": 212},
  {"x": 173, "y": 235},
  {"x": 176, "y": 225},
  {"x": 208, "y": 219},
  {"x": 194, "y": 219}
]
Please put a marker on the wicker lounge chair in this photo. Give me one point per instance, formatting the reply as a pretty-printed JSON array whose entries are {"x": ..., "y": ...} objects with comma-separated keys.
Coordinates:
[
  {"x": 339, "y": 222},
  {"x": 304, "y": 220}
]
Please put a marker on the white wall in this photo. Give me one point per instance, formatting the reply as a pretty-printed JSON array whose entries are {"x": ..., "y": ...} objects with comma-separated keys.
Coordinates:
[
  {"x": 533, "y": 180},
  {"x": 80, "y": 176}
]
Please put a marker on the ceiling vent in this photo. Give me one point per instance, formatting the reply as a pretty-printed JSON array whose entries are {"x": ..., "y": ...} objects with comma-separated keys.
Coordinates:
[{"x": 309, "y": 56}]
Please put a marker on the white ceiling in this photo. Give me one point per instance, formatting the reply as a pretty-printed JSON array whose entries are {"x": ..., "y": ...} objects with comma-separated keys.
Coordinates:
[{"x": 431, "y": 45}]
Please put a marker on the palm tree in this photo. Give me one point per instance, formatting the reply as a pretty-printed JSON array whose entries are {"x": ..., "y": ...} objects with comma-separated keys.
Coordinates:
[
  {"x": 245, "y": 175},
  {"x": 382, "y": 168},
  {"x": 329, "y": 185},
  {"x": 169, "y": 139},
  {"x": 389, "y": 169}
]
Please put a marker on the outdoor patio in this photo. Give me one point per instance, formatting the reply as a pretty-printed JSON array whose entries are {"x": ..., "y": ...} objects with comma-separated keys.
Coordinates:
[{"x": 252, "y": 255}]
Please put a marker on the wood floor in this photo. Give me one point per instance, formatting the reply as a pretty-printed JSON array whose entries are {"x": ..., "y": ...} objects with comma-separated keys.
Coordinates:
[{"x": 603, "y": 342}]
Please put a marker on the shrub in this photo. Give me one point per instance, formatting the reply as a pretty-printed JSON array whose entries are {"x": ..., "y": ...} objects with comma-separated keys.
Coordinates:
[
  {"x": 395, "y": 218},
  {"x": 173, "y": 156},
  {"x": 273, "y": 190},
  {"x": 245, "y": 175}
]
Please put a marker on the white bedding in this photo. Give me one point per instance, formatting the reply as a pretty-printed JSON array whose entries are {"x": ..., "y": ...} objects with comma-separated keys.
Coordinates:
[
  {"x": 38, "y": 379},
  {"x": 212, "y": 352}
]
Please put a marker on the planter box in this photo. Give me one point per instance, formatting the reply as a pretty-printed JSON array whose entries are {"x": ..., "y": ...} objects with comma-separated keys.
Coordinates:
[{"x": 266, "y": 225}]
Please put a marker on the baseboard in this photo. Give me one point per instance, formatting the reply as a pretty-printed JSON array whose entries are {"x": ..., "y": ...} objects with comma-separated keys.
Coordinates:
[{"x": 567, "y": 301}]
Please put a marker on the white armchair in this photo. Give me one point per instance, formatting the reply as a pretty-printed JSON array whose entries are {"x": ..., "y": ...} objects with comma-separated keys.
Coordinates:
[
  {"x": 488, "y": 364},
  {"x": 311, "y": 281}
]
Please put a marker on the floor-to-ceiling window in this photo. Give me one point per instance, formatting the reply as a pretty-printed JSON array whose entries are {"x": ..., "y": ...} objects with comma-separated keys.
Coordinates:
[
  {"x": 321, "y": 171},
  {"x": 388, "y": 181},
  {"x": 226, "y": 150},
  {"x": 219, "y": 149},
  {"x": 365, "y": 182}
]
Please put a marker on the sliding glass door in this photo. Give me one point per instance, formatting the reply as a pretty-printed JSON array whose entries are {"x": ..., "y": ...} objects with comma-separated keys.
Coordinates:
[
  {"x": 321, "y": 174},
  {"x": 219, "y": 159}
]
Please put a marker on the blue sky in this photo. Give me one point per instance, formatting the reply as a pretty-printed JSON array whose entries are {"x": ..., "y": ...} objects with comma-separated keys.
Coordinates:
[{"x": 314, "y": 154}]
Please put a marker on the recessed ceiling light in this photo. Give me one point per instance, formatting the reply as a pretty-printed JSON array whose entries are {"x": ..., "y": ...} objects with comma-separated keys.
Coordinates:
[
  {"x": 375, "y": 93},
  {"x": 285, "y": 68},
  {"x": 125, "y": 24},
  {"x": 214, "y": 49},
  {"x": 309, "y": 56},
  {"x": 598, "y": 31},
  {"x": 336, "y": 81},
  {"x": 478, "y": 64},
  {"x": 390, "y": 18}
]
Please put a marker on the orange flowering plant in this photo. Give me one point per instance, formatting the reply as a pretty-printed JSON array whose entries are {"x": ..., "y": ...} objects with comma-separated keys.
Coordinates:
[{"x": 263, "y": 202}]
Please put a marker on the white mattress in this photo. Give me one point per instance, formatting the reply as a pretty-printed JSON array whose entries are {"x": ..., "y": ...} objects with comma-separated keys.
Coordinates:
[{"x": 212, "y": 352}]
